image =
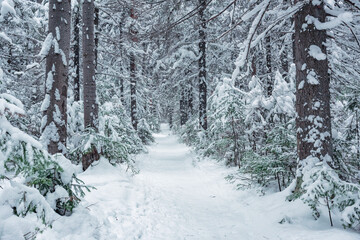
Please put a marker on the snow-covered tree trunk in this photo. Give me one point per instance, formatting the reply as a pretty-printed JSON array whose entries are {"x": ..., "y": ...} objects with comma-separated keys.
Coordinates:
[
  {"x": 89, "y": 64},
  {"x": 54, "y": 107},
  {"x": 202, "y": 66},
  {"x": 270, "y": 80},
  {"x": 97, "y": 32},
  {"x": 121, "y": 67},
  {"x": 313, "y": 123},
  {"x": 76, "y": 58}
]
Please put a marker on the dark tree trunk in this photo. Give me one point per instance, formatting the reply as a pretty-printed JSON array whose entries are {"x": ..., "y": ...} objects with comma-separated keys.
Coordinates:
[
  {"x": 90, "y": 104},
  {"x": 269, "y": 78},
  {"x": 121, "y": 80},
  {"x": 285, "y": 62},
  {"x": 134, "y": 119},
  {"x": 122, "y": 97},
  {"x": 183, "y": 107},
  {"x": 89, "y": 80},
  {"x": 312, "y": 95},
  {"x": 55, "y": 105},
  {"x": 202, "y": 67},
  {"x": 133, "y": 35},
  {"x": 171, "y": 122},
  {"x": 97, "y": 31},
  {"x": 190, "y": 100},
  {"x": 76, "y": 59},
  {"x": 235, "y": 49}
]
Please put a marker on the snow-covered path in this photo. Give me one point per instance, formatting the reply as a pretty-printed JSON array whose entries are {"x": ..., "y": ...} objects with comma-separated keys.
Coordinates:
[
  {"x": 176, "y": 197},
  {"x": 189, "y": 203}
]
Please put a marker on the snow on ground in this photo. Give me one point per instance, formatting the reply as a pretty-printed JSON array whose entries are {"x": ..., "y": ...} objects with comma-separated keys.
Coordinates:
[{"x": 176, "y": 197}]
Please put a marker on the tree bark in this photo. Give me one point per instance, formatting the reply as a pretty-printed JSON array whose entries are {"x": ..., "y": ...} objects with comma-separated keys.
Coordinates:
[
  {"x": 121, "y": 80},
  {"x": 202, "y": 67},
  {"x": 54, "y": 132},
  {"x": 269, "y": 78},
  {"x": 312, "y": 83},
  {"x": 76, "y": 59},
  {"x": 171, "y": 122},
  {"x": 133, "y": 104},
  {"x": 183, "y": 107},
  {"x": 97, "y": 31},
  {"x": 285, "y": 63},
  {"x": 190, "y": 99},
  {"x": 89, "y": 65},
  {"x": 133, "y": 114}
]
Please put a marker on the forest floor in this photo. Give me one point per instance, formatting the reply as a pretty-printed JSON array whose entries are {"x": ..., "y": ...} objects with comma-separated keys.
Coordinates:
[{"x": 175, "y": 196}]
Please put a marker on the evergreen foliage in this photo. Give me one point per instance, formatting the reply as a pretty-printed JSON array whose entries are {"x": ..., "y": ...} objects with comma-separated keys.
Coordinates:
[{"x": 36, "y": 181}]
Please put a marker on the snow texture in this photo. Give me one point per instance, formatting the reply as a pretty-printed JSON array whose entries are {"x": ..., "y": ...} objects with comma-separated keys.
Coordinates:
[
  {"x": 7, "y": 7},
  {"x": 177, "y": 197},
  {"x": 315, "y": 52}
]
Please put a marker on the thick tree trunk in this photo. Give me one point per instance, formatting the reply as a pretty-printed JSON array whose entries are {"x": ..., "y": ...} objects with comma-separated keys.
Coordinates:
[
  {"x": 312, "y": 89},
  {"x": 202, "y": 67},
  {"x": 97, "y": 31},
  {"x": 76, "y": 59},
  {"x": 89, "y": 50},
  {"x": 89, "y": 80},
  {"x": 55, "y": 104}
]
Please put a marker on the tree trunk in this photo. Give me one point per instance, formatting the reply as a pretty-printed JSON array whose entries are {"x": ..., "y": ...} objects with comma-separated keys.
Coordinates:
[
  {"x": 133, "y": 35},
  {"x": 171, "y": 122},
  {"x": 89, "y": 50},
  {"x": 234, "y": 37},
  {"x": 190, "y": 100},
  {"x": 122, "y": 97},
  {"x": 134, "y": 120},
  {"x": 312, "y": 84},
  {"x": 270, "y": 81},
  {"x": 55, "y": 104},
  {"x": 285, "y": 63},
  {"x": 202, "y": 67},
  {"x": 121, "y": 80},
  {"x": 76, "y": 59},
  {"x": 97, "y": 31},
  {"x": 183, "y": 107}
]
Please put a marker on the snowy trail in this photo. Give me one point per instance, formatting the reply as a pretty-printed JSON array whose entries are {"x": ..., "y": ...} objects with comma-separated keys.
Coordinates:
[
  {"x": 176, "y": 197},
  {"x": 191, "y": 203}
]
